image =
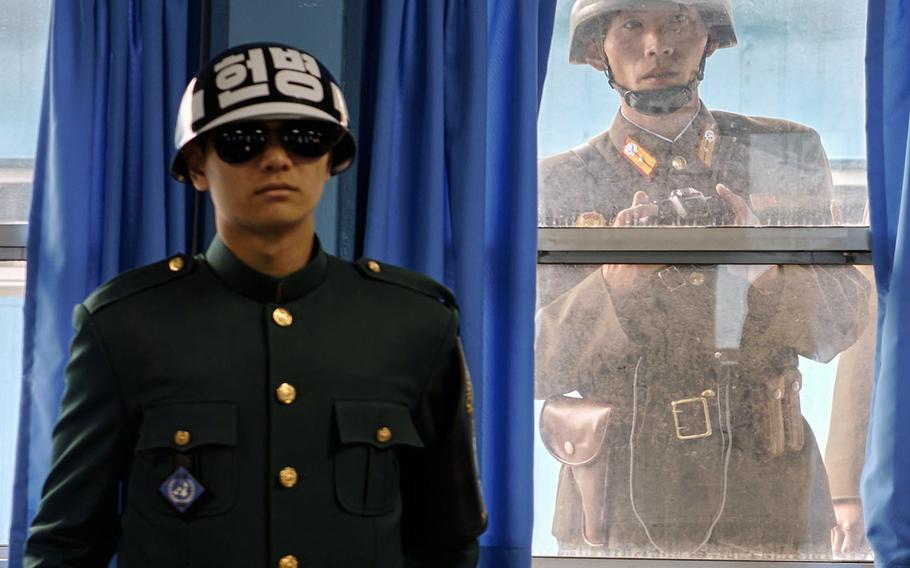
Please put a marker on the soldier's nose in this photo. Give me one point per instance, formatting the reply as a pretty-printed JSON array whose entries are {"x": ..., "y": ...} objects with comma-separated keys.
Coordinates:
[
  {"x": 655, "y": 50},
  {"x": 275, "y": 156},
  {"x": 656, "y": 44}
]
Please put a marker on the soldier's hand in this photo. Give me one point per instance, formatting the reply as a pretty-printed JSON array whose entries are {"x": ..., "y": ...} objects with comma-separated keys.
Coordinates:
[
  {"x": 641, "y": 208},
  {"x": 849, "y": 535},
  {"x": 760, "y": 276},
  {"x": 624, "y": 278},
  {"x": 742, "y": 213}
]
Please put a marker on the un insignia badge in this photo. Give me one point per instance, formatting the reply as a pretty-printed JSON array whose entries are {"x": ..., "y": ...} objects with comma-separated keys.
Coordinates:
[{"x": 181, "y": 489}]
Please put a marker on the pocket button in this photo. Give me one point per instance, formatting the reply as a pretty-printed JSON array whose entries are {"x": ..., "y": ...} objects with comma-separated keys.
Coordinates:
[
  {"x": 182, "y": 437},
  {"x": 383, "y": 435}
]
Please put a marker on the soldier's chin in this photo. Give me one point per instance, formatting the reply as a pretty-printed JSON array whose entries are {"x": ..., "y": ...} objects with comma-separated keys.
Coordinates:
[{"x": 659, "y": 102}]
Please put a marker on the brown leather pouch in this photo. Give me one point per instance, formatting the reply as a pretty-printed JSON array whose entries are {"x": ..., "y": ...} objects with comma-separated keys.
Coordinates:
[
  {"x": 769, "y": 414},
  {"x": 574, "y": 431},
  {"x": 778, "y": 419}
]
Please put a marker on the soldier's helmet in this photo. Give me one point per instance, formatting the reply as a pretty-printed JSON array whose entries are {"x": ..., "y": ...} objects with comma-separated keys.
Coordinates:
[
  {"x": 262, "y": 81},
  {"x": 589, "y": 17}
]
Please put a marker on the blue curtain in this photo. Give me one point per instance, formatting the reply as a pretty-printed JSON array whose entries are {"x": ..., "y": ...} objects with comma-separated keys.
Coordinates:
[
  {"x": 886, "y": 477},
  {"x": 103, "y": 201},
  {"x": 448, "y": 151}
]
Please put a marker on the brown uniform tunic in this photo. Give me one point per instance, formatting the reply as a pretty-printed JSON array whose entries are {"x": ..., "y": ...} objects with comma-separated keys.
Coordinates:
[{"x": 735, "y": 467}]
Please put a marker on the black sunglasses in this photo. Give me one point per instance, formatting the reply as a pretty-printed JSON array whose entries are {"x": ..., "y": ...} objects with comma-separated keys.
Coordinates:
[{"x": 241, "y": 142}]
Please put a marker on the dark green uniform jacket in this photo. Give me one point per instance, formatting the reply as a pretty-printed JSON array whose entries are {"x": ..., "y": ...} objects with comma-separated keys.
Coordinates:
[{"x": 325, "y": 416}]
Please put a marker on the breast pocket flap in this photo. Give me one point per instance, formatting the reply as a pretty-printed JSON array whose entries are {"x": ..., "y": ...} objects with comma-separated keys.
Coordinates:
[
  {"x": 185, "y": 426},
  {"x": 378, "y": 424}
]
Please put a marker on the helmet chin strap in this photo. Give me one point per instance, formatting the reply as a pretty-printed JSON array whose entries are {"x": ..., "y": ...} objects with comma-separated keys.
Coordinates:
[{"x": 658, "y": 102}]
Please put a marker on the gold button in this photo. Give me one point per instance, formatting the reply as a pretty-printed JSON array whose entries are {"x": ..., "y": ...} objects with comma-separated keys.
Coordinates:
[
  {"x": 718, "y": 355},
  {"x": 374, "y": 266},
  {"x": 175, "y": 264},
  {"x": 288, "y": 562},
  {"x": 286, "y": 393},
  {"x": 282, "y": 317},
  {"x": 796, "y": 386},
  {"x": 708, "y": 393},
  {"x": 569, "y": 447},
  {"x": 181, "y": 437},
  {"x": 679, "y": 163},
  {"x": 696, "y": 278},
  {"x": 287, "y": 477},
  {"x": 778, "y": 394},
  {"x": 383, "y": 435}
]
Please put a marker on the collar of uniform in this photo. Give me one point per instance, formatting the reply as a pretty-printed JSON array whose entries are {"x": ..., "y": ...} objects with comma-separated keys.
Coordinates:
[
  {"x": 262, "y": 287},
  {"x": 687, "y": 145}
]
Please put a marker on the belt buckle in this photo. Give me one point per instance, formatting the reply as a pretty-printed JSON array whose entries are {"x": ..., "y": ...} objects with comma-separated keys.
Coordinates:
[
  {"x": 671, "y": 278},
  {"x": 681, "y": 429}
]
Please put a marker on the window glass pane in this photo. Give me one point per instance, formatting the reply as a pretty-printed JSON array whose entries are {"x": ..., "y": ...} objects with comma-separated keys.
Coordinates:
[
  {"x": 12, "y": 292},
  {"x": 23, "y": 46},
  {"x": 24, "y": 29},
  {"x": 699, "y": 411},
  {"x": 778, "y": 118},
  {"x": 15, "y": 190}
]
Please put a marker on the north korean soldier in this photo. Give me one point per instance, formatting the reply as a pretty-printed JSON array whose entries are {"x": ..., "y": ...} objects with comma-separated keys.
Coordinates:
[
  {"x": 682, "y": 434},
  {"x": 263, "y": 403}
]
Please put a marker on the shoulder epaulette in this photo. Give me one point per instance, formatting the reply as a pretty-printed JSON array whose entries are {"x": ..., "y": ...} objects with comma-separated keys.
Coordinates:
[
  {"x": 134, "y": 281},
  {"x": 404, "y": 278},
  {"x": 729, "y": 123}
]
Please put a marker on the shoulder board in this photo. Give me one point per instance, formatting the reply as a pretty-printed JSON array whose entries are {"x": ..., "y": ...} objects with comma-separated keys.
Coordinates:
[
  {"x": 134, "y": 281},
  {"x": 404, "y": 278},
  {"x": 732, "y": 123}
]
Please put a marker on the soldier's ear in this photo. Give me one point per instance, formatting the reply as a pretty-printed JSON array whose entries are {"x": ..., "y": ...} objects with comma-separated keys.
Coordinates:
[
  {"x": 194, "y": 155},
  {"x": 594, "y": 55},
  {"x": 711, "y": 47}
]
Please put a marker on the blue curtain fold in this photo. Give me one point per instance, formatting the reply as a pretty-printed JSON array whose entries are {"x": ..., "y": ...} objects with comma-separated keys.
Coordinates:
[
  {"x": 886, "y": 476},
  {"x": 103, "y": 200},
  {"x": 448, "y": 151}
]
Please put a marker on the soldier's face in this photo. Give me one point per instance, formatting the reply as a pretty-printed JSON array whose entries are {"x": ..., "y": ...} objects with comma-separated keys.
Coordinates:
[
  {"x": 274, "y": 191},
  {"x": 655, "y": 48}
]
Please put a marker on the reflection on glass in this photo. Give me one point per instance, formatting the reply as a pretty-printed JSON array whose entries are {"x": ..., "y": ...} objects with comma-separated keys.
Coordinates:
[{"x": 674, "y": 405}]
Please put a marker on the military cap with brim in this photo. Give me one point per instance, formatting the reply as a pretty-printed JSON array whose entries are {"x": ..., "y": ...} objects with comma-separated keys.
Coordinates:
[{"x": 261, "y": 81}]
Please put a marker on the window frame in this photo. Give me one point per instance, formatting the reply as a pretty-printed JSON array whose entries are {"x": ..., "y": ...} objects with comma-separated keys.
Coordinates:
[
  {"x": 841, "y": 244},
  {"x": 569, "y": 562},
  {"x": 705, "y": 245},
  {"x": 13, "y": 239}
]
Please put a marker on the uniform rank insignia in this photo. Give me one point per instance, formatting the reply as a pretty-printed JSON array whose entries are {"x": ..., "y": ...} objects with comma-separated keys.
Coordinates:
[
  {"x": 181, "y": 489},
  {"x": 639, "y": 157},
  {"x": 706, "y": 146}
]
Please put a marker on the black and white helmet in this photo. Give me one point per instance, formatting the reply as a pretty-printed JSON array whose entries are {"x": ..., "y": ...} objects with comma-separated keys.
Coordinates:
[
  {"x": 261, "y": 81},
  {"x": 588, "y": 19}
]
